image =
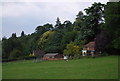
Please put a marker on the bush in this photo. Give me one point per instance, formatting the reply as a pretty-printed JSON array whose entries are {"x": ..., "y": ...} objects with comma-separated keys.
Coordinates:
[
  {"x": 29, "y": 57},
  {"x": 9, "y": 60},
  {"x": 72, "y": 50},
  {"x": 15, "y": 54},
  {"x": 20, "y": 58}
]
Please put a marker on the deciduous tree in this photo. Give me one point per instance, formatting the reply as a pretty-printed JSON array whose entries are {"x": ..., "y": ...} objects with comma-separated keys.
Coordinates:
[{"x": 72, "y": 49}]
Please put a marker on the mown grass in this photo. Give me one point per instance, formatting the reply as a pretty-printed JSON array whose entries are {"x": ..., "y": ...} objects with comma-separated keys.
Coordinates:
[{"x": 88, "y": 68}]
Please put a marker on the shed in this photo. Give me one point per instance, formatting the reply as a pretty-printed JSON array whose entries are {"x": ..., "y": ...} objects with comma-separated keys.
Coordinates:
[{"x": 53, "y": 56}]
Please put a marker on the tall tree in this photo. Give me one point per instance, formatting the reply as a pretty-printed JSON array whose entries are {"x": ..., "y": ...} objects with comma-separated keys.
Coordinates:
[
  {"x": 58, "y": 23},
  {"x": 95, "y": 15},
  {"x": 48, "y": 26},
  {"x": 112, "y": 18},
  {"x": 67, "y": 25},
  {"x": 14, "y": 35},
  {"x": 22, "y": 33},
  {"x": 80, "y": 15},
  {"x": 89, "y": 24},
  {"x": 10, "y": 45},
  {"x": 40, "y": 30},
  {"x": 44, "y": 39},
  {"x": 78, "y": 21},
  {"x": 102, "y": 40}
]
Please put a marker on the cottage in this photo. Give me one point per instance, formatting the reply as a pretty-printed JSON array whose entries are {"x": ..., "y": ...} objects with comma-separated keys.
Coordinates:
[
  {"x": 89, "y": 49},
  {"x": 53, "y": 56}
]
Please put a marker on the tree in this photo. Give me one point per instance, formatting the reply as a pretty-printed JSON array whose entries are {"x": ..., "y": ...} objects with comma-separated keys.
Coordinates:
[
  {"x": 48, "y": 27},
  {"x": 44, "y": 39},
  {"x": 72, "y": 50},
  {"x": 78, "y": 21},
  {"x": 22, "y": 33},
  {"x": 14, "y": 35},
  {"x": 67, "y": 25},
  {"x": 94, "y": 17},
  {"x": 112, "y": 18},
  {"x": 40, "y": 30},
  {"x": 69, "y": 36},
  {"x": 30, "y": 45},
  {"x": 5, "y": 48},
  {"x": 86, "y": 30},
  {"x": 80, "y": 15},
  {"x": 116, "y": 43},
  {"x": 10, "y": 45},
  {"x": 54, "y": 43},
  {"x": 4, "y": 38},
  {"x": 16, "y": 53},
  {"x": 102, "y": 41},
  {"x": 58, "y": 23},
  {"x": 97, "y": 11}
]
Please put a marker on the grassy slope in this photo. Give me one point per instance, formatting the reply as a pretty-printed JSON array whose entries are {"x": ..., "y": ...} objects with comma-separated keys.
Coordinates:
[{"x": 91, "y": 68}]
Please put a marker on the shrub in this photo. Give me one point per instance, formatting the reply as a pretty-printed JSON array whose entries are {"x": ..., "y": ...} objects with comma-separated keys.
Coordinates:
[
  {"x": 15, "y": 54},
  {"x": 72, "y": 50},
  {"x": 28, "y": 57}
]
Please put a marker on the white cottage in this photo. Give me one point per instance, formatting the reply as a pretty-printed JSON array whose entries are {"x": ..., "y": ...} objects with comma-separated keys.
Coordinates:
[{"x": 89, "y": 49}]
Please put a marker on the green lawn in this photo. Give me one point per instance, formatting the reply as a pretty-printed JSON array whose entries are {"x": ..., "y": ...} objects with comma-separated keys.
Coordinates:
[{"x": 86, "y": 68}]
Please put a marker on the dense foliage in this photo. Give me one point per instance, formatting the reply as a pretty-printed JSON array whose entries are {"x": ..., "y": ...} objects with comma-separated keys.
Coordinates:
[
  {"x": 65, "y": 36},
  {"x": 108, "y": 39},
  {"x": 72, "y": 50}
]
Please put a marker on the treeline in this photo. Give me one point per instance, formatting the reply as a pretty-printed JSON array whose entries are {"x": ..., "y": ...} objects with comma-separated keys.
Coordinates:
[{"x": 100, "y": 24}]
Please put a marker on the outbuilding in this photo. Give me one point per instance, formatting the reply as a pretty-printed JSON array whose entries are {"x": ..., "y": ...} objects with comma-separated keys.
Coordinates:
[{"x": 53, "y": 56}]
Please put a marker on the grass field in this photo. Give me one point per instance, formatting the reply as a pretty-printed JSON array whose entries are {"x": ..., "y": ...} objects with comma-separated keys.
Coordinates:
[{"x": 86, "y": 68}]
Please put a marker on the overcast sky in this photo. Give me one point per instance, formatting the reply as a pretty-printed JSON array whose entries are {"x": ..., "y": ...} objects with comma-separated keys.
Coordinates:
[{"x": 26, "y": 15}]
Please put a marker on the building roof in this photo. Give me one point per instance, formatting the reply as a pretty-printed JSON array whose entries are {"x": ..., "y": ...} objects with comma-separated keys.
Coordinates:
[
  {"x": 51, "y": 54},
  {"x": 90, "y": 46}
]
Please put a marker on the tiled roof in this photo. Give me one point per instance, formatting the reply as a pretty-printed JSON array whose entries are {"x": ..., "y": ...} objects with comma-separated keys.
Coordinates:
[
  {"x": 50, "y": 54},
  {"x": 90, "y": 45}
]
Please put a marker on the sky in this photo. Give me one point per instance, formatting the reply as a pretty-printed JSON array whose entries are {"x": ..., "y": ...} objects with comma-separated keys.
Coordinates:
[{"x": 26, "y": 15}]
